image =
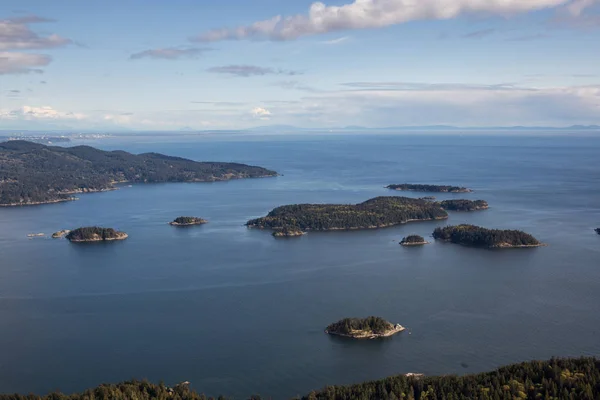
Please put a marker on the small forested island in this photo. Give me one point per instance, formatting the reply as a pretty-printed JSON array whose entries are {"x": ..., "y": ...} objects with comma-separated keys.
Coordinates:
[
  {"x": 188, "y": 221},
  {"x": 288, "y": 232},
  {"x": 429, "y": 188},
  {"x": 414, "y": 240},
  {"x": 597, "y": 231},
  {"x": 464, "y": 205},
  {"x": 379, "y": 212},
  {"x": 471, "y": 235},
  {"x": 32, "y": 173},
  {"x": 556, "y": 379},
  {"x": 95, "y": 234},
  {"x": 365, "y": 328}
]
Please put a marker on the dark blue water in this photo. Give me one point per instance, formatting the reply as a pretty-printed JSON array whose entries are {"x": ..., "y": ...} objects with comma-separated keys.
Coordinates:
[{"x": 237, "y": 312}]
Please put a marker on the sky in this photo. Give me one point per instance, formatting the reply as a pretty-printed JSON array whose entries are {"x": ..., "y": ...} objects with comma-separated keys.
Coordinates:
[{"x": 235, "y": 64}]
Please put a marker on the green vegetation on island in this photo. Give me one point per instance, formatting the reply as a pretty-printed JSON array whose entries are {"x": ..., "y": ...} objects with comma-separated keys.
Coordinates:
[
  {"x": 364, "y": 328},
  {"x": 597, "y": 231},
  {"x": 32, "y": 173},
  {"x": 556, "y": 379},
  {"x": 288, "y": 232},
  {"x": 429, "y": 188},
  {"x": 464, "y": 205},
  {"x": 95, "y": 234},
  {"x": 379, "y": 212},
  {"x": 471, "y": 235},
  {"x": 188, "y": 221},
  {"x": 414, "y": 240}
]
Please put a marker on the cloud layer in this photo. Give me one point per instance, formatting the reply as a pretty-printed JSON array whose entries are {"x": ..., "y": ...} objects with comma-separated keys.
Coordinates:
[
  {"x": 367, "y": 14},
  {"x": 250, "y": 70},
  {"x": 170, "y": 53},
  {"x": 15, "y": 34},
  {"x": 22, "y": 63}
]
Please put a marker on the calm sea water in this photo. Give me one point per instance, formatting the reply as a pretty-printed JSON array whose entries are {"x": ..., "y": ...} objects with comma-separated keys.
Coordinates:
[{"x": 238, "y": 312}]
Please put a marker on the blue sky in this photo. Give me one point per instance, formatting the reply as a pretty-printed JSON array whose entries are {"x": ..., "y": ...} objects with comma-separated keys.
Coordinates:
[{"x": 229, "y": 64}]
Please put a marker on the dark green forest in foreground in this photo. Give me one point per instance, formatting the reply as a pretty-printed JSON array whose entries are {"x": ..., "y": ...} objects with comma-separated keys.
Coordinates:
[
  {"x": 34, "y": 173},
  {"x": 375, "y": 213},
  {"x": 471, "y": 235},
  {"x": 557, "y": 379}
]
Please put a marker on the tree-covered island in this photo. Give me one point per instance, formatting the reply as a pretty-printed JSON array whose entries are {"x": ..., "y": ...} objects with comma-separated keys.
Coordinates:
[
  {"x": 464, "y": 205},
  {"x": 379, "y": 212},
  {"x": 471, "y": 235},
  {"x": 429, "y": 188},
  {"x": 188, "y": 221},
  {"x": 414, "y": 240},
  {"x": 95, "y": 234},
  {"x": 364, "y": 328},
  {"x": 597, "y": 231},
  {"x": 32, "y": 173}
]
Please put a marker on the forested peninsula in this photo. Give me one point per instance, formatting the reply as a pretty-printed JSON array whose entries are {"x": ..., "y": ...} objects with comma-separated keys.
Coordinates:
[
  {"x": 429, "y": 188},
  {"x": 32, "y": 173},
  {"x": 558, "y": 379},
  {"x": 379, "y": 212},
  {"x": 95, "y": 234},
  {"x": 471, "y": 235},
  {"x": 364, "y": 328}
]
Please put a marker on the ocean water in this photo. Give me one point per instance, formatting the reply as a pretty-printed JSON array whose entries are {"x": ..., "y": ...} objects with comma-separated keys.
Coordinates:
[{"x": 237, "y": 312}]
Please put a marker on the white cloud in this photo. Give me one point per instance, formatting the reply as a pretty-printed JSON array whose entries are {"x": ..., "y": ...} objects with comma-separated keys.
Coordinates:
[
  {"x": 261, "y": 113},
  {"x": 22, "y": 63},
  {"x": 30, "y": 113},
  {"x": 367, "y": 14},
  {"x": 336, "y": 41}
]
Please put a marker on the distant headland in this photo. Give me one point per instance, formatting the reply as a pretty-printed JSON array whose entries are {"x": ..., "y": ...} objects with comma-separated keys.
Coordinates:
[
  {"x": 379, "y": 212},
  {"x": 365, "y": 328},
  {"x": 429, "y": 188},
  {"x": 32, "y": 173},
  {"x": 471, "y": 235},
  {"x": 95, "y": 234},
  {"x": 414, "y": 240},
  {"x": 188, "y": 221}
]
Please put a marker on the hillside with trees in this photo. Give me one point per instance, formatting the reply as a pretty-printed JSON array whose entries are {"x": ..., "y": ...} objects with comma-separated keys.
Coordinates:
[
  {"x": 375, "y": 213},
  {"x": 556, "y": 379},
  {"x": 471, "y": 235},
  {"x": 32, "y": 173}
]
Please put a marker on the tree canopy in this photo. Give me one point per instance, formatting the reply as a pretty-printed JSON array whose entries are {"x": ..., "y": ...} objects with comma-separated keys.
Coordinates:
[
  {"x": 375, "y": 213},
  {"x": 33, "y": 173}
]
